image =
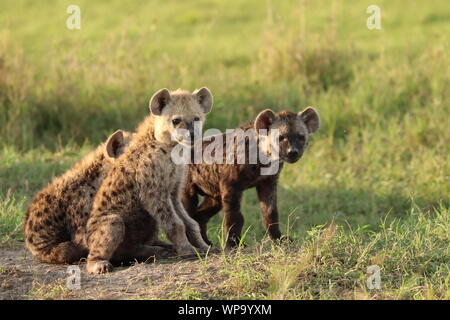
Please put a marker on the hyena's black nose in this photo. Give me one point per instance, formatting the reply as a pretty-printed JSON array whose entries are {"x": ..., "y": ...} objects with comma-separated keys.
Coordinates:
[{"x": 293, "y": 153}]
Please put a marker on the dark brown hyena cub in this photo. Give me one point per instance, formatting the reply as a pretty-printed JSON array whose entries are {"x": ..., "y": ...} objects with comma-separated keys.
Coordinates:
[
  {"x": 55, "y": 221},
  {"x": 222, "y": 185}
]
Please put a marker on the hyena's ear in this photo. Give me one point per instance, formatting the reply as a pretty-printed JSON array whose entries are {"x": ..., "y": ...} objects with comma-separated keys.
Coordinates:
[
  {"x": 264, "y": 119},
  {"x": 158, "y": 101},
  {"x": 311, "y": 118},
  {"x": 114, "y": 145},
  {"x": 205, "y": 98}
]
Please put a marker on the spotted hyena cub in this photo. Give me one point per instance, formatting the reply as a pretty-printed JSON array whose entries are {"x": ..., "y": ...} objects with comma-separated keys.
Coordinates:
[
  {"x": 146, "y": 178},
  {"x": 222, "y": 185},
  {"x": 55, "y": 222}
]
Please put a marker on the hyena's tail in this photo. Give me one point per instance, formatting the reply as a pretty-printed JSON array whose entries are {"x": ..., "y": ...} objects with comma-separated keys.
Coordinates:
[
  {"x": 64, "y": 252},
  {"x": 47, "y": 236}
]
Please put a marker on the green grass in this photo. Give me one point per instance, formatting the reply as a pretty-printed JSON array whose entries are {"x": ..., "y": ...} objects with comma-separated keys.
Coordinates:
[
  {"x": 331, "y": 263},
  {"x": 378, "y": 168}
]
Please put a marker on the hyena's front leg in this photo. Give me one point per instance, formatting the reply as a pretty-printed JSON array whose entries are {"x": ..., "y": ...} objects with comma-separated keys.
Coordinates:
[
  {"x": 192, "y": 228},
  {"x": 105, "y": 233},
  {"x": 267, "y": 195},
  {"x": 209, "y": 207},
  {"x": 234, "y": 220},
  {"x": 174, "y": 227}
]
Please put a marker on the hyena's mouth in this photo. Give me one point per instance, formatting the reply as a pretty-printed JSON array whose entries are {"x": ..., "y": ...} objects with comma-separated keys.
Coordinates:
[
  {"x": 186, "y": 142},
  {"x": 186, "y": 138},
  {"x": 292, "y": 158}
]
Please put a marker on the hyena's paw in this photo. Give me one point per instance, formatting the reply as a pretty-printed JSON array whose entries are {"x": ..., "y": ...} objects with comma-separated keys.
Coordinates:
[
  {"x": 202, "y": 245},
  {"x": 163, "y": 244},
  {"x": 234, "y": 243},
  {"x": 99, "y": 266},
  {"x": 285, "y": 239},
  {"x": 193, "y": 252},
  {"x": 186, "y": 251},
  {"x": 147, "y": 251},
  {"x": 208, "y": 249},
  {"x": 214, "y": 250}
]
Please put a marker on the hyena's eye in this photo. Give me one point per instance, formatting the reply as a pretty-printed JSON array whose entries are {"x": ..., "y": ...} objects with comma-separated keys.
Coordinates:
[
  {"x": 196, "y": 119},
  {"x": 282, "y": 138},
  {"x": 301, "y": 137},
  {"x": 176, "y": 122}
]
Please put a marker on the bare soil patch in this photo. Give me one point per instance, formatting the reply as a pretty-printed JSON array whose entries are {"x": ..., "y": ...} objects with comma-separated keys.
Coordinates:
[{"x": 23, "y": 277}]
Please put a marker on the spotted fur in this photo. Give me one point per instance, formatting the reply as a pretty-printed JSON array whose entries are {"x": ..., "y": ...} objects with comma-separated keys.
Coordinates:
[
  {"x": 55, "y": 222},
  {"x": 146, "y": 178}
]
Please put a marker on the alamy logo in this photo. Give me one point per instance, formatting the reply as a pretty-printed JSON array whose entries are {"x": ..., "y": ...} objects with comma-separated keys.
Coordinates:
[
  {"x": 73, "y": 281},
  {"x": 374, "y": 20},
  {"x": 374, "y": 279},
  {"x": 241, "y": 147},
  {"x": 74, "y": 20}
]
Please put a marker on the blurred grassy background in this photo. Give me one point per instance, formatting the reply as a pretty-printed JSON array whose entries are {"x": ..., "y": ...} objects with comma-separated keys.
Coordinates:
[{"x": 383, "y": 95}]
